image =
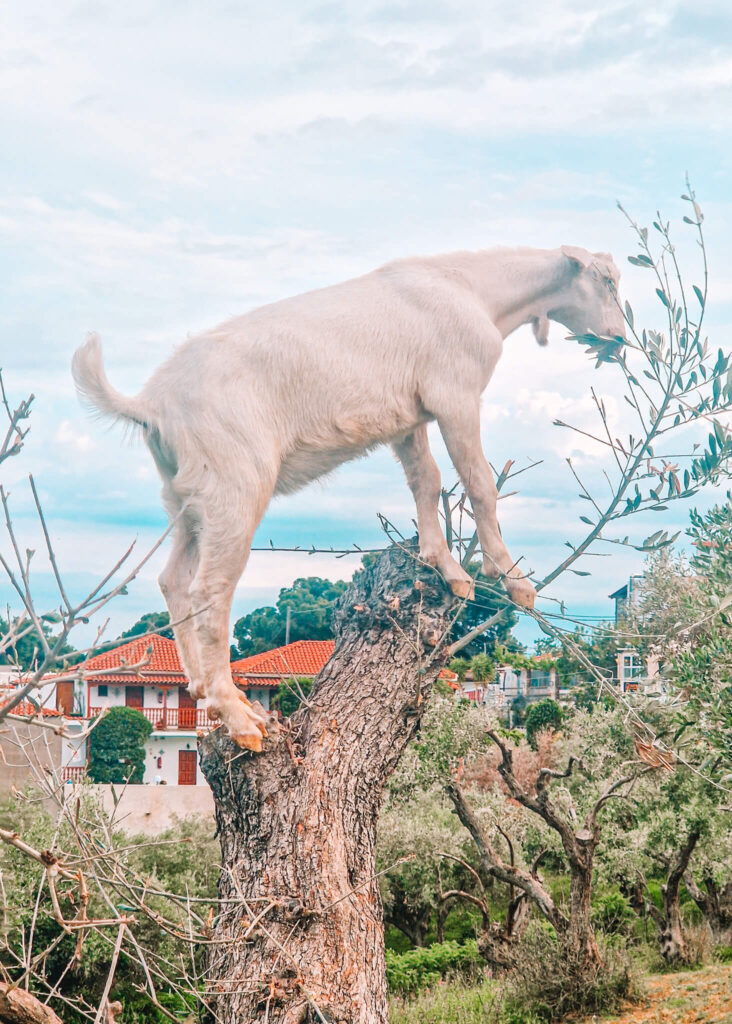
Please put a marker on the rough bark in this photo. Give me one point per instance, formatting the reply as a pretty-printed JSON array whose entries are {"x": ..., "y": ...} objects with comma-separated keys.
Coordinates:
[
  {"x": 19, "y": 1007},
  {"x": 672, "y": 944},
  {"x": 301, "y": 939}
]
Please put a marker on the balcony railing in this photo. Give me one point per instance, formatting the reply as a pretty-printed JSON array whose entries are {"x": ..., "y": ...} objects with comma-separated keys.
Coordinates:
[
  {"x": 172, "y": 719},
  {"x": 71, "y": 774}
]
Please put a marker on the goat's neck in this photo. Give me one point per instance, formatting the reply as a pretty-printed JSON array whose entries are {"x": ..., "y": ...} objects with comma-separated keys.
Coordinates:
[{"x": 518, "y": 285}]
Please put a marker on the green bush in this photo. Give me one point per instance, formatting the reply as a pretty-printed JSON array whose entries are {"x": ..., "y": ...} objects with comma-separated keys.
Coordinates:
[
  {"x": 418, "y": 969},
  {"x": 287, "y": 697},
  {"x": 545, "y": 714},
  {"x": 612, "y": 913},
  {"x": 117, "y": 746},
  {"x": 723, "y": 953}
]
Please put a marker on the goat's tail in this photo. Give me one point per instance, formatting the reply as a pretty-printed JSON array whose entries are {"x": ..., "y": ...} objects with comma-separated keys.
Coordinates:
[{"x": 94, "y": 388}]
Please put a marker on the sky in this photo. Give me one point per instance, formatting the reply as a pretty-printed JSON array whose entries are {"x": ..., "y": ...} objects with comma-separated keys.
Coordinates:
[{"x": 168, "y": 165}]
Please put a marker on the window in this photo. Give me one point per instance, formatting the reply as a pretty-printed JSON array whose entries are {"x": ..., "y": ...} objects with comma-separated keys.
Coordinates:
[
  {"x": 540, "y": 679},
  {"x": 632, "y": 668},
  {"x": 102, "y": 690}
]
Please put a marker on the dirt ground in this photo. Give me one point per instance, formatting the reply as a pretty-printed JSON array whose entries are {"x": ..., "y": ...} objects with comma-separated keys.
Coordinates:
[{"x": 691, "y": 997}]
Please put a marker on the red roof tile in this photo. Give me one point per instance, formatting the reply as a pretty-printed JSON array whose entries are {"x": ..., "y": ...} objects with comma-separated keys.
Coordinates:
[
  {"x": 303, "y": 658},
  {"x": 162, "y": 665}
]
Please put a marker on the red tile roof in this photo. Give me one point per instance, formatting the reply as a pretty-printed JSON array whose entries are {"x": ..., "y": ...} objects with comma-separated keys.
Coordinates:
[
  {"x": 162, "y": 665},
  {"x": 303, "y": 658},
  {"x": 27, "y": 710},
  {"x": 450, "y": 678}
]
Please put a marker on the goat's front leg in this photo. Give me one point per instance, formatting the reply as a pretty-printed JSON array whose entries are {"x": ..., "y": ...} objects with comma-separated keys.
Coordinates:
[
  {"x": 224, "y": 544},
  {"x": 423, "y": 477},
  {"x": 460, "y": 428}
]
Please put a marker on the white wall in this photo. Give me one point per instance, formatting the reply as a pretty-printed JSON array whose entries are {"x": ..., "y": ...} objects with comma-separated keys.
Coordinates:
[
  {"x": 166, "y": 747},
  {"x": 261, "y": 694},
  {"x": 152, "y": 809}
]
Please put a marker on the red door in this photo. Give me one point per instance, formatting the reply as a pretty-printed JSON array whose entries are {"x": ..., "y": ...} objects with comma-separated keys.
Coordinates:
[
  {"x": 133, "y": 696},
  {"x": 186, "y": 767},
  {"x": 186, "y": 709},
  {"x": 65, "y": 697}
]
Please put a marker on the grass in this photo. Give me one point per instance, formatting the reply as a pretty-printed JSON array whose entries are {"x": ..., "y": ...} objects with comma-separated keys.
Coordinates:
[
  {"x": 687, "y": 997},
  {"x": 448, "y": 1003}
]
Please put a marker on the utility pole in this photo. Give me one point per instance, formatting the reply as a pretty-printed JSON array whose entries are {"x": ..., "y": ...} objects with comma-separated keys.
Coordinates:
[{"x": 288, "y": 617}]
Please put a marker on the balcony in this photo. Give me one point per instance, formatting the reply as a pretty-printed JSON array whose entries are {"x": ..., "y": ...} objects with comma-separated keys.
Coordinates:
[
  {"x": 73, "y": 774},
  {"x": 172, "y": 719}
]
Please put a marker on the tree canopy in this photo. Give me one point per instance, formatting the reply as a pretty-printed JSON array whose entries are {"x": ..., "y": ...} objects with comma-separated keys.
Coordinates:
[
  {"x": 310, "y": 600},
  {"x": 157, "y": 621}
]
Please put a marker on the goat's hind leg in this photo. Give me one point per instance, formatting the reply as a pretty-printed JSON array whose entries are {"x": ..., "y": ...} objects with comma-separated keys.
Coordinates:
[
  {"x": 224, "y": 543},
  {"x": 423, "y": 477},
  {"x": 175, "y": 583}
]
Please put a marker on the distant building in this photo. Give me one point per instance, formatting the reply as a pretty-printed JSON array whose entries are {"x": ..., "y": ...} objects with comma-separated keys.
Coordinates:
[
  {"x": 625, "y": 596},
  {"x": 532, "y": 684}
]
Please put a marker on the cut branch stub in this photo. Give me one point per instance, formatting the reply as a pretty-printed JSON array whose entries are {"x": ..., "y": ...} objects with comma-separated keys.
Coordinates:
[{"x": 300, "y": 831}]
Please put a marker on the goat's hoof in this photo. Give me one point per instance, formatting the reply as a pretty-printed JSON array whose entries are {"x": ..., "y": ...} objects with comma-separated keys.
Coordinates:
[
  {"x": 521, "y": 593},
  {"x": 463, "y": 588},
  {"x": 249, "y": 741},
  {"x": 257, "y": 712}
]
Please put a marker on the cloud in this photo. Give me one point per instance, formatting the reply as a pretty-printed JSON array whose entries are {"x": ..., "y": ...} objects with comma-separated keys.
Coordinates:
[{"x": 168, "y": 166}]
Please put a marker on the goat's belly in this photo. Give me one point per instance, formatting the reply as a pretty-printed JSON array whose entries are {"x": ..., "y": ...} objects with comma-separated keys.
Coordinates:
[{"x": 306, "y": 464}]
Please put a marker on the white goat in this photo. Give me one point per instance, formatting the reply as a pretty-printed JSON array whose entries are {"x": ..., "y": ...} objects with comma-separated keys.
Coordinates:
[{"x": 273, "y": 399}]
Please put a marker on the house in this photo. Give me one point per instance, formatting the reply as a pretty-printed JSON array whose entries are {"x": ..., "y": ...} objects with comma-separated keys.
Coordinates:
[
  {"x": 624, "y": 597},
  {"x": 259, "y": 674},
  {"x": 531, "y": 683},
  {"x": 158, "y": 688}
]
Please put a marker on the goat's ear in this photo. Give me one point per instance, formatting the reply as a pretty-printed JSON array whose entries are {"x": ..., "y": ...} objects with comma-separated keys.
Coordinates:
[
  {"x": 580, "y": 259},
  {"x": 540, "y": 327}
]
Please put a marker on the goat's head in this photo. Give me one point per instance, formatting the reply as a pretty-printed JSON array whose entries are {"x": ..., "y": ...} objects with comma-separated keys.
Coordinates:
[{"x": 588, "y": 300}]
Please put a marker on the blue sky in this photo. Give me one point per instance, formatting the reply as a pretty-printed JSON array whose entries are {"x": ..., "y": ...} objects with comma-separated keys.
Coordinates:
[{"x": 167, "y": 165}]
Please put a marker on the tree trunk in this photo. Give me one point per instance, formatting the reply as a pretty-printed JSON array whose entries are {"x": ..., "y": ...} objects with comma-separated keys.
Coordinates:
[
  {"x": 302, "y": 938},
  {"x": 580, "y": 935},
  {"x": 671, "y": 939},
  {"x": 715, "y": 903}
]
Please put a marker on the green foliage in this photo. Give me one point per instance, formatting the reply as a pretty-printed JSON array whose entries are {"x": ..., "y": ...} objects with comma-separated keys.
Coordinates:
[
  {"x": 310, "y": 600},
  {"x": 702, "y": 666},
  {"x": 545, "y": 714},
  {"x": 482, "y": 668},
  {"x": 460, "y": 666},
  {"x": 117, "y": 746},
  {"x": 26, "y": 652},
  {"x": 151, "y": 621},
  {"x": 418, "y": 969},
  {"x": 612, "y": 913},
  {"x": 185, "y": 861},
  {"x": 287, "y": 698}
]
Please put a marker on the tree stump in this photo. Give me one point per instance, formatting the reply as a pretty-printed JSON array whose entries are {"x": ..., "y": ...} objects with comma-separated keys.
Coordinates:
[{"x": 301, "y": 936}]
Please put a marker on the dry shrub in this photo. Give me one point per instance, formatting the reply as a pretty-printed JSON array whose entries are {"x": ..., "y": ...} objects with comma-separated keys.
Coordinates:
[
  {"x": 548, "y": 984},
  {"x": 527, "y": 763}
]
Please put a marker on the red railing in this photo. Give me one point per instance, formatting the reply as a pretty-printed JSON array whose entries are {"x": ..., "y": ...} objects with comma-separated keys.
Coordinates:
[
  {"x": 171, "y": 719},
  {"x": 73, "y": 774}
]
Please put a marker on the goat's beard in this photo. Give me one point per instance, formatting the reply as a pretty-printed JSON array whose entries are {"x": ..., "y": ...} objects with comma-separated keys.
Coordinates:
[{"x": 540, "y": 327}]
